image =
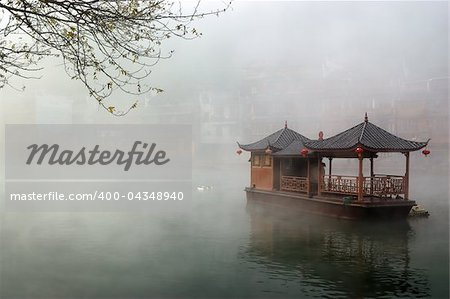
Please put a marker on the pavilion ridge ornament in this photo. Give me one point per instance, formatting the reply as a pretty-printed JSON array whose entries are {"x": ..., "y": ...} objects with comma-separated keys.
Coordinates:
[{"x": 321, "y": 135}]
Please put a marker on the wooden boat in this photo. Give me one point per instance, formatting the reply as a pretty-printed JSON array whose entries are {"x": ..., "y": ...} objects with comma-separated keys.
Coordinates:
[{"x": 288, "y": 168}]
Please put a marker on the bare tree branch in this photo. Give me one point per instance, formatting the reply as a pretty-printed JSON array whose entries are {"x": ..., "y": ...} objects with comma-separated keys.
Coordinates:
[{"x": 107, "y": 45}]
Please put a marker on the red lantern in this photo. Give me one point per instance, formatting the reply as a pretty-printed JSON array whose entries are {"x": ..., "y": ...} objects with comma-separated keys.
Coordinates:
[
  {"x": 426, "y": 152},
  {"x": 239, "y": 151},
  {"x": 304, "y": 152},
  {"x": 359, "y": 150}
]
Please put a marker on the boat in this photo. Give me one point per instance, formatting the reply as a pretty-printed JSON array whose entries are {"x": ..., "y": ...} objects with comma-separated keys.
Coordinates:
[
  {"x": 288, "y": 168},
  {"x": 418, "y": 211}
]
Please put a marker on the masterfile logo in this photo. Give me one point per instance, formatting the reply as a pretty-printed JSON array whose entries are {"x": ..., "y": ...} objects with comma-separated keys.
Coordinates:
[
  {"x": 52, "y": 155},
  {"x": 91, "y": 168},
  {"x": 150, "y": 152}
]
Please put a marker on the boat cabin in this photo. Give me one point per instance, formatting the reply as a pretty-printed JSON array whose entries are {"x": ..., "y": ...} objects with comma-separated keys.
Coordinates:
[{"x": 287, "y": 161}]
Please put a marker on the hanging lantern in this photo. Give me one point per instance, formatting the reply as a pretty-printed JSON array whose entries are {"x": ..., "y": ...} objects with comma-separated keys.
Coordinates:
[
  {"x": 426, "y": 152},
  {"x": 239, "y": 151},
  {"x": 359, "y": 151},
  {"x": 304, "y": 152},
  {"x": 268, "y": 151}
]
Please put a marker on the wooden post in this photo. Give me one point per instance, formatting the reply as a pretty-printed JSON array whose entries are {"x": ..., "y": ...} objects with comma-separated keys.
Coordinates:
[
  {"x": 319, "y": 175},
  {"x": 329, "y": 168},
  {"x": 371, "y": 175},
  {"x": 281, "y": 173},
  {"x": 251, "y": 169},
  {"x": 407, "y": 177},
  {"x": 360, "y": 178},
  {"x": 308, "y": 175},
  {"x": 329, "y": 171}
]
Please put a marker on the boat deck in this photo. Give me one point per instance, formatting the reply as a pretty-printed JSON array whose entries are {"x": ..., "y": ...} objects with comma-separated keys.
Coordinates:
[{"x": 335, "y": 205}]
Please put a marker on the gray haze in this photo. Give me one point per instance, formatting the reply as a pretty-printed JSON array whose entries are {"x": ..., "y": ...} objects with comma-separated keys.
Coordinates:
[{"x": 317, "y": 65}]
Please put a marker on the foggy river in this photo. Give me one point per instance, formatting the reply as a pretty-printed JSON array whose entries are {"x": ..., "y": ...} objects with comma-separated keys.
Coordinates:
[
  {"x": 314, "y": 66},
  {"x": 219, "y": 246}
]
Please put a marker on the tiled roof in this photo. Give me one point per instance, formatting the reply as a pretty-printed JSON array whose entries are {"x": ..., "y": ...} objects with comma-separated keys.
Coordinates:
[
  {"x": 293, "y": 149},
  {"x": 367, "y": 136},
  {"x": 276, "y": 141}
]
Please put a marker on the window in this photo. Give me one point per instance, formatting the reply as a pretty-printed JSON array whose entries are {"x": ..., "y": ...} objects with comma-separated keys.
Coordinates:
[
  {"x": 267, "y": 161},
  {"x": 256, "y": 160}
]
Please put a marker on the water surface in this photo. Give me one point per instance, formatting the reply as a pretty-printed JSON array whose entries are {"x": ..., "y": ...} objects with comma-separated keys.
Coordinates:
[{"x": 218, "y": 246}]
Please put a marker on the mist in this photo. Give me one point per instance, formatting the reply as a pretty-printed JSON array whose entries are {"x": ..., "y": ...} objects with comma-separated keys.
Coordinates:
[{"x": 319, "y": 66}]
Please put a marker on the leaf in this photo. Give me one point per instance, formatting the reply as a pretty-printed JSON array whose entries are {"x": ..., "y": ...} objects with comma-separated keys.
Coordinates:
[{"x": 111, "y": 109}]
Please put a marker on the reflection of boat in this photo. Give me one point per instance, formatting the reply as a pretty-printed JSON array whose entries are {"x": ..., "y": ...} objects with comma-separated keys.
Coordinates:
[
  {"x": 338, "y": 257},
  {"x": 287, "y": 167}
]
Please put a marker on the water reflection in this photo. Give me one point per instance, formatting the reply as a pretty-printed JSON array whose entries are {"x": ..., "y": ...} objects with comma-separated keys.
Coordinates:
[{"x": 332, "y": 258}]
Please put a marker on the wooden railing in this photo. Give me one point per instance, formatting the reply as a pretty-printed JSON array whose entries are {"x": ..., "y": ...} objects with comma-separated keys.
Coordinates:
[
  {"x": 340, "y": 184},
  {"x": 379, "y": 185},
  {"x": 384, "y": 185},
  {"x": 294, "y": 183}
]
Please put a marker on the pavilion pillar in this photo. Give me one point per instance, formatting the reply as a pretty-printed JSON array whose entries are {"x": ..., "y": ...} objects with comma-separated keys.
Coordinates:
[
  {"x": 406, "y": 183},
  {"x": 280, "y": 172},
  {"x": 329, "y": 171},
  {"x": 319, "y": 175},
  {"x": 329, "y": 168},
  {"x": 371, "y": 175},
  {"x": 360, "y": 179},
  {"x": 308, "y": 175}
]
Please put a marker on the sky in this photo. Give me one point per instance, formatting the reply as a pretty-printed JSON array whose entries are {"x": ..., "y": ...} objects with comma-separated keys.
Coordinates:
[{"x": 371, "y": 44}]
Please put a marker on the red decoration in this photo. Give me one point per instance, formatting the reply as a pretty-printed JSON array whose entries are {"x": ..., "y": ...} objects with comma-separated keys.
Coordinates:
[
  {"x": 320, "y": 135},
  {"x": 426, "y": 152},
  {"x": 239, "y": 151},
  {"x": 268, "y": 151},
  {"x": 304, "y": 152},
  {"x": 359, "y": 150}
]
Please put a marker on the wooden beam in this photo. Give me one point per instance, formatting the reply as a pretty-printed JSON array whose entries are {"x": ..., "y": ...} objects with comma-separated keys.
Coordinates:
[
  {"x": 280, "y": 171},
  {"x": 371, "y": 175},
  {"x": 319, "y": 174},
  {"x": 308, "y": 174},
  {"x": 329, "y": 171},
  {"x": 407, "y": 176},
  {"x": 329, "y": 167},
  {"x": 360, "y": 179},
  {"x": 251, "y": 169}
]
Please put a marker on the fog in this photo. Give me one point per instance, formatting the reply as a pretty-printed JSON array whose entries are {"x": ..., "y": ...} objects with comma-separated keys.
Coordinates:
[{"x": 319, "y": 66}]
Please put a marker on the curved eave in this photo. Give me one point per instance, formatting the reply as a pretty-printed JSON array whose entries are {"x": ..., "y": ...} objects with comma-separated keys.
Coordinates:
[
  {"x": 276, "y": 141},
  {"x": 419, "y": 146},
  {"x": 249, "y": 148}
]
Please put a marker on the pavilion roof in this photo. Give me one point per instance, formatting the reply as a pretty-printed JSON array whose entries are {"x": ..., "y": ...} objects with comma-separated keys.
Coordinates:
[
  {"x": 277, "y": 141},
  {"x": 293, "y": 149},
  {"x": 368, "y": 136}
]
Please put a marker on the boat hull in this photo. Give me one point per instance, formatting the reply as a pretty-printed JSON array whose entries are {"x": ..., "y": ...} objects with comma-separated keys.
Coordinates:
[{"x": 334, "y": 206}]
